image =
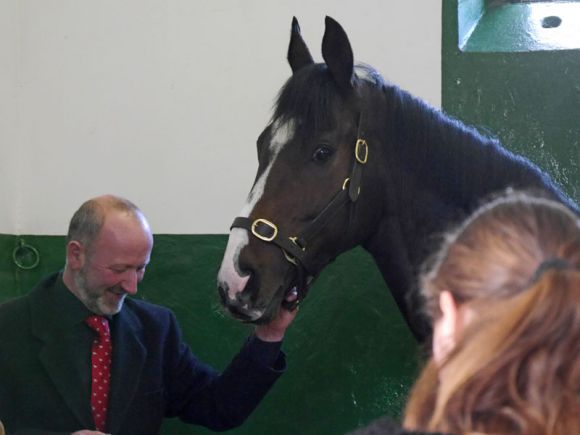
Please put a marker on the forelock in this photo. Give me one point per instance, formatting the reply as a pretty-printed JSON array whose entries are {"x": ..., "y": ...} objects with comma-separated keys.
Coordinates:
[{"x": 309, "y": 98}]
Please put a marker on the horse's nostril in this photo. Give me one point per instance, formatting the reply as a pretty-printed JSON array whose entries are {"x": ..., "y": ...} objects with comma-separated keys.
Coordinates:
[
  {"x": 253, "y": 285},
  {"x": 244, "y": 269}
]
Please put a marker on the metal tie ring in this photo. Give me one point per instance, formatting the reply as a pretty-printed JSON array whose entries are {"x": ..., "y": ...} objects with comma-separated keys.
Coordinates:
[{"x": 25, "y": 256}]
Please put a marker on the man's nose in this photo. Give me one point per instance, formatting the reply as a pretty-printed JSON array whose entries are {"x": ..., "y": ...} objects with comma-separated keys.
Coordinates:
[{"x": 130, "y": 282}]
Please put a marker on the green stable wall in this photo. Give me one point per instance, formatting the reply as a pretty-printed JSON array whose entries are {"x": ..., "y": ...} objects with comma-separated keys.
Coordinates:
[
  {"x": 351, "y": 357},
  {"x": 508, "y": 85}
]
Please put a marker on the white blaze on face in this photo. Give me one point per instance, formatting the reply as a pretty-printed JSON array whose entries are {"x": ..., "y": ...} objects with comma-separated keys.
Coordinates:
[{"x": 229, "y": 275}]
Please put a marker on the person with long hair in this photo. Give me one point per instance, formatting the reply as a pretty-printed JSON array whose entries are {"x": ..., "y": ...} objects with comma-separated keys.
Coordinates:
[{"x": 503, "y": 295}]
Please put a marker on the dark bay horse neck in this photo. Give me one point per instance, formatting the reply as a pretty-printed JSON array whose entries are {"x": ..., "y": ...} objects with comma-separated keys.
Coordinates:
[{"x": 433, "y": 171}]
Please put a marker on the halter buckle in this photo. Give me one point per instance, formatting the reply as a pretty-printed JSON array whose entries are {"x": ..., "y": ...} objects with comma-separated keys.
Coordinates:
[
  {"x": 361, "y": 146},
  {"x": 267, "y": 223}
]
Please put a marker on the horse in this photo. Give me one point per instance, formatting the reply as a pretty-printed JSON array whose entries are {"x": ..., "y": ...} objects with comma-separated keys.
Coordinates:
[{"x": 348, "y": 159}]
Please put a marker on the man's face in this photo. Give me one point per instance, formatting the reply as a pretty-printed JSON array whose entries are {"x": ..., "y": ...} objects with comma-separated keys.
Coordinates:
[{"x": 114, "y": 264}]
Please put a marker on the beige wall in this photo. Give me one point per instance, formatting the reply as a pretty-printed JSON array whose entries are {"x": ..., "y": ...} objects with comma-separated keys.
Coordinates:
[
  {"x": 162, "y": 100},
  {"x": 9, "y": 116}
]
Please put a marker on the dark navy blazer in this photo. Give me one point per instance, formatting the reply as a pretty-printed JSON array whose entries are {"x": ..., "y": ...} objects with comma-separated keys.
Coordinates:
[{"x": 45, "y": 370}]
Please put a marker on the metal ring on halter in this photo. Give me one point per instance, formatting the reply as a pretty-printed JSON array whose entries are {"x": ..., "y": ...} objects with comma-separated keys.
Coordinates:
[
  {"x": 345, "y": 184},
  {"x": 23, "y": 251},
  {"x": 361, "y": 143},
  {"x": 289, "y": 257},
  {"x": 295, "y": 241},
  {"x": 272, "y": 226}
]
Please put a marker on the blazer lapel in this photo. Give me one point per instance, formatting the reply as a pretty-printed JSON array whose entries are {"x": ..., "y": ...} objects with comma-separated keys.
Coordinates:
[
  {"x": 62, "y": 357},
  {"x": 129, "y": 355}
]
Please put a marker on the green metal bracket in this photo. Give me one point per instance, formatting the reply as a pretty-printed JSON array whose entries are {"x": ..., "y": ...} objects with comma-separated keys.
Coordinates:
[{"x": 518, "y": 26}]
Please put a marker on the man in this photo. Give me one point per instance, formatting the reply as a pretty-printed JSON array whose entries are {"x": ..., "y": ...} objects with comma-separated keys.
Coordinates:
[{"x": 57, "y": 375}]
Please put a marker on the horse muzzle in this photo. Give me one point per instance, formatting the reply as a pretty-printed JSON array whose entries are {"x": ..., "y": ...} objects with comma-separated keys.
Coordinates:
[{"x": 238, "y": 304}]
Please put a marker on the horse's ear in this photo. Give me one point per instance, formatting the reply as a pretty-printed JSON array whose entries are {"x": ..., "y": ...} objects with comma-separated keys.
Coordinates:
[
  {"x": 337, "y": 53},
  {"x": 298, "y": 53}
]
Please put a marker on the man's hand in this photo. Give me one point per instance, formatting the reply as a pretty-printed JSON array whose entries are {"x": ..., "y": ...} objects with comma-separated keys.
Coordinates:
[{"x": 275, "y": 330}]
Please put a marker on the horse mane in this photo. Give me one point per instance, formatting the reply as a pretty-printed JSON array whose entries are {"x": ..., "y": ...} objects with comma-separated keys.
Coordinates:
[{"x": 436, "y": 145}]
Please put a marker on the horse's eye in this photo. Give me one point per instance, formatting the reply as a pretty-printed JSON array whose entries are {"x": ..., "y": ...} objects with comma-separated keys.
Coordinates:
[{"x": 322, "y": 154}]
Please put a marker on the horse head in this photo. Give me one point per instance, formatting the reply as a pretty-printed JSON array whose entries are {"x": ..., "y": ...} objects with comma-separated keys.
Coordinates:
[{"x": 306, "y": 204}]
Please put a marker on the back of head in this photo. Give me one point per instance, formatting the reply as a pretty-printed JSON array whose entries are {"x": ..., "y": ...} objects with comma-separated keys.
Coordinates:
[
  {"x": 515, "y": 369},
  {"x": 496, "y": 252}
]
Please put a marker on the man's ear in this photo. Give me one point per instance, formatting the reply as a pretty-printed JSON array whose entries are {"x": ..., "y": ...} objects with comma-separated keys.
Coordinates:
[
  {"x": 75, "y": 255},
  {"x": 445, "y": 327}
]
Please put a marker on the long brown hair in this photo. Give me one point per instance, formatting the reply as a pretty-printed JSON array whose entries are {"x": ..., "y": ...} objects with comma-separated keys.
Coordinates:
[{"x": 516, "y": 368}]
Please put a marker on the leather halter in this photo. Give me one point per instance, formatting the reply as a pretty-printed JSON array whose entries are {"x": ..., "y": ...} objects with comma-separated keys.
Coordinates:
[{"x": 295, "y": 247}]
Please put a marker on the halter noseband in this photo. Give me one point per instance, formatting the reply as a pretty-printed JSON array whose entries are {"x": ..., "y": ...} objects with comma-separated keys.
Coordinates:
[{"x": 294, "y": 248}]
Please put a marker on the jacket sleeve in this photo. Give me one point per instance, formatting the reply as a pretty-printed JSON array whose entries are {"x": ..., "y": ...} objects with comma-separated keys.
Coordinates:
[{"x": 199, "y": 394}]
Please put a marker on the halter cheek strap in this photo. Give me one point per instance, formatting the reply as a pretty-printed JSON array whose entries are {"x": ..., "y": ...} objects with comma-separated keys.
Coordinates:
[{"x": 294, "y": 248}]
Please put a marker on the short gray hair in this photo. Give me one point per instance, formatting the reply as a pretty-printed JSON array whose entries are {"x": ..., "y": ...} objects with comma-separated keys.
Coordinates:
[{"x": 86, "y": 223}]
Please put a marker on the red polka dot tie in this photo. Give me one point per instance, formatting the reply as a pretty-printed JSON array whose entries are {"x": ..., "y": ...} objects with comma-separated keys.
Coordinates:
[{"x": 101, "y": 369}]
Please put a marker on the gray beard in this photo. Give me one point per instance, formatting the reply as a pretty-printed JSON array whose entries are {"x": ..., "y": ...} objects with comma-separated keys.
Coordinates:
[{"x": 91, "y": 300}]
